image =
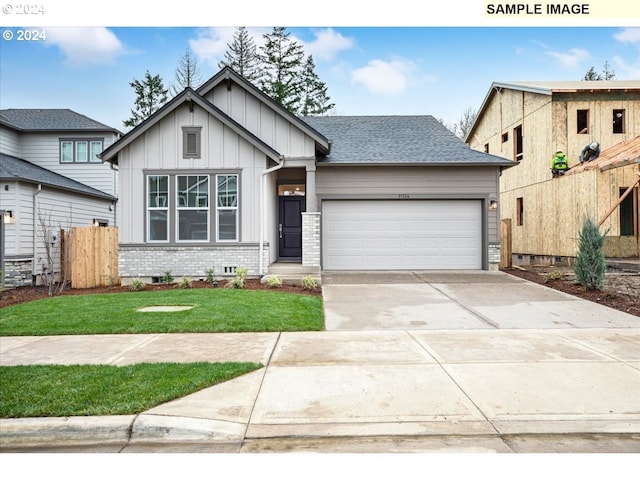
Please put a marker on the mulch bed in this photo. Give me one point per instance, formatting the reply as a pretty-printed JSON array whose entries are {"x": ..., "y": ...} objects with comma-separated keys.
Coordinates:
[
  {"x": 618, "y": 301},
  {"x": 26, "y": 294}
]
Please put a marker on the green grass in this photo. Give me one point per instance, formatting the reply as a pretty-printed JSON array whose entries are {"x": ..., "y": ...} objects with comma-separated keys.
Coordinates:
[
  {"x": 215, "y": 310},
  {"x": 78, "y": 390}
]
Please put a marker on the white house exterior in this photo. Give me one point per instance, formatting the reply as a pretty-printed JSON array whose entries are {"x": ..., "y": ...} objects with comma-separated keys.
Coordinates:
[
  {"x": 51, "y": 178},
  {"x": 223, "y": 177}
]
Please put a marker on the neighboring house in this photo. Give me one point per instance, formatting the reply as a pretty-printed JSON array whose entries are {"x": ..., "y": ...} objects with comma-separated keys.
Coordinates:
[
  {"x": 223, "y": 177},
  {"x": 528, "y": 122},
  {"x": 51, "y": 178}
]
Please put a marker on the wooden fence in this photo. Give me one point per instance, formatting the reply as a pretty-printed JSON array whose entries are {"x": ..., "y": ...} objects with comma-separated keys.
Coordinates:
[{"x": 90, "y": 256}]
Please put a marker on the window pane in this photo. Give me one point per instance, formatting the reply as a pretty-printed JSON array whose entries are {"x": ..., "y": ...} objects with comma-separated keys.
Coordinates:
[
  {"x": 193, "y": 191},
  {"x": 158, "y": 191},
  {"x": 82, "y": 154},
  {"x": 158, "y": 225},
  {"x": 66, "y": 152},
  {"x": 193, "y": 225},
  {"x": 96, "y": 149},
  {"x": 227, "y": 190},
  {"x": 227, "y": 221}
]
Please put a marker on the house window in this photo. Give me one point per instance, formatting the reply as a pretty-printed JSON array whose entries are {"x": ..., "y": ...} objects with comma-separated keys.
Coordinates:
[
  {"x": 518, "y": 144},
  {"x": 486, "y": 148},
  {"x": 192, "y": 207},
  {"x": 158, "y": 208},
  {"x": 227, "y": 207},
  {"x": 582, "y": 118},
  {"x": 519, "y": 211},
  {"x": 618, "y": 121},
  {"x": 627, "y": 216},
  {"x": 80, "y": 150},
  {"x": 505, "y": 137},
  {"x": 191, "y": 142}
]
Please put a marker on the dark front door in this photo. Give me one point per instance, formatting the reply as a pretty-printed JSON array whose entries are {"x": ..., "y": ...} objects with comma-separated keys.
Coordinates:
[{"x": 290, "y": 226}]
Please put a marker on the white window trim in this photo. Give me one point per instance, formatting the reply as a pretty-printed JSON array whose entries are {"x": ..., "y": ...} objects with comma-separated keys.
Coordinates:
[
  {"x": 165, "y": 208},
  {"x": 236, "y": 209},
  {"x": 196, "y": 208}
]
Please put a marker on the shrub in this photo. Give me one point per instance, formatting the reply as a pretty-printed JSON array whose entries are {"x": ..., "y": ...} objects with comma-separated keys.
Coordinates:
[
  {"x": 136, "y": 285},
  {"x": 211, "y": 277},
  {"x": 309, "y": 283},
  {"x": 555, "y": 274},
  {"x": 167, "y": 278},
  {"x": 238, "y": 280},
  {"x": 274, "y": 282},
  {"x": 185, "y": 283},
  {"x": 590, "y": 263}
]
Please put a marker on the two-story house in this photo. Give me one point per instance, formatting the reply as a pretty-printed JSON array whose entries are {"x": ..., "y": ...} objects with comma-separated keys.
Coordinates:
[
  {"x": 51, "y": 178},
  {"x": 529, "y": 122}
]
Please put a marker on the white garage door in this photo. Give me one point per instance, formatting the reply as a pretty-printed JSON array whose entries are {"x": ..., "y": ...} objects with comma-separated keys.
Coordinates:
[{"x": 402, "y": 234}]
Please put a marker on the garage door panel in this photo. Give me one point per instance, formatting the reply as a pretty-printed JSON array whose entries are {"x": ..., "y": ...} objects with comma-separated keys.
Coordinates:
[{"x": 390, "y": 235}]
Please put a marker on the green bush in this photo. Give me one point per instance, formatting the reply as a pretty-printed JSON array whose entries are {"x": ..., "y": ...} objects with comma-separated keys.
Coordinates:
[
  {"x": 211, "y": 277},
  {"x": 185, "y": 283},
  {"x": 167, "y": 278},
  {"x": 274, "y": 282},
  {"x": 555, "y": 274},
  {"x": 309, "y": 283},
  {"x": 238, "y": 280},
  {"x": 590, "y": 263},
  {"x": 136, "y": 285}
]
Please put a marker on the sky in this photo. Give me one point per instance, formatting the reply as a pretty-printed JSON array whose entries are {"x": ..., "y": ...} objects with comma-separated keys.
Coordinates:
[{"x": 439, "y": 69}]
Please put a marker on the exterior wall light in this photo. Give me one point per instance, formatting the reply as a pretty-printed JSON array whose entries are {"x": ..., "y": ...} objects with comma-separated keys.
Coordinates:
[
  {"x": 493, "y": 204},
  {"x": 8, "y": 217}
]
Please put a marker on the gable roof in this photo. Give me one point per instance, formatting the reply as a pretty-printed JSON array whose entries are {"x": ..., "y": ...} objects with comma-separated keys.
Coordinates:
[
  {"x": 49, "y": 120},
  {"x": 186, "y": 96},
  {"x": 551, "y": 87},
  {"x": 14, "y": 168},
  {"x": 396, "y": 140},
  {"x": 229, "y": 76},
  {"x": 618, "y": 155}
]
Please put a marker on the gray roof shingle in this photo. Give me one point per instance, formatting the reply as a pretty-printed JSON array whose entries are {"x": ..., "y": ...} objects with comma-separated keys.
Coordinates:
[
  {"x": 50, "y": 119},
  {"x": 13, "y": 168},
  {"x": 419, "y": 139}
]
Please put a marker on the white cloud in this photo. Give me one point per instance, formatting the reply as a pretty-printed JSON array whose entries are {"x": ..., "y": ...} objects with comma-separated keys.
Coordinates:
[
  {"x": 86, "y": 45},
  {"x": 210, "y": 44},
  {"x": 628, "y": 35},
  {"x": 388, "y": 78},
  {"x": 572, "y": 58},
  {"x": 626, "y": 71},
  {"x": 328, "y": 44}
]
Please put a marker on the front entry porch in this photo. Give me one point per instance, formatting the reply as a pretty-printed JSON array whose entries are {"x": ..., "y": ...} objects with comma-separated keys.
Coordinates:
[{"x": 292, "y": 273}]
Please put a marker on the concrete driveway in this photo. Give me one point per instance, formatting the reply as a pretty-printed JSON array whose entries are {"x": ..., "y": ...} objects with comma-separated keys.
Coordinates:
[
  {"x": 421, "y": 362},
  {"x": 454, "y": 301}
]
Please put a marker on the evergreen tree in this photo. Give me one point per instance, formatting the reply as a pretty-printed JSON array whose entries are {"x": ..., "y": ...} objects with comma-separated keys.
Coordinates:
[
  {"x": 187, "y": 73},
  {"x": 590, "y": 263},
  {"x": 282, "y": 59},
  {"x": 242, "y": 55},
  {"x": 607, "y": 73},
  {"x": 315, "y": 100},
  {"x": 150, "y": 96}
]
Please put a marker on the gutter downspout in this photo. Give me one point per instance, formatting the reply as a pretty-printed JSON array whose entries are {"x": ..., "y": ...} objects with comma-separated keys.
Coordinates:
[
  {"x": 35, "y": 232},
  {"x": 263, "y": 212}
]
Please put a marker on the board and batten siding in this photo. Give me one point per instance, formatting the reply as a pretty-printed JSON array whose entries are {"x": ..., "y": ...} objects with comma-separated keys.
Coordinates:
[
  {"x": 9, "y": 142},
  {"x": 160, "y": 149},
  {"x": 404, "y": 182},
  {"x": 263, "y": 121}
]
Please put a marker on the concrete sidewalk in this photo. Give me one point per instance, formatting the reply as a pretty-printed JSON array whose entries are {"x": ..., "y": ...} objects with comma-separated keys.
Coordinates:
[{"x": 485, "y": 384}]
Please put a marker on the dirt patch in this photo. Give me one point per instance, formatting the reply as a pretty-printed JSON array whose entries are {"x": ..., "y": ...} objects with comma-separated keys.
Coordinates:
[
  {"x": 26, "y": 294},
  {"x": 621, "y": 289}
]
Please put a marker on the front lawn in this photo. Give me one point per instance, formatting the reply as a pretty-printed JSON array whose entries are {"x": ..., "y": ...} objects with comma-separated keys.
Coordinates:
[
  {"x": 214, "y": 310},
  {"x": 70, "y": 390}
]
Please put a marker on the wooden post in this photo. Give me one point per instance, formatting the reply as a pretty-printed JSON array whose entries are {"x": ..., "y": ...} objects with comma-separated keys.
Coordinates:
[{"x": 505, "y": 243}]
